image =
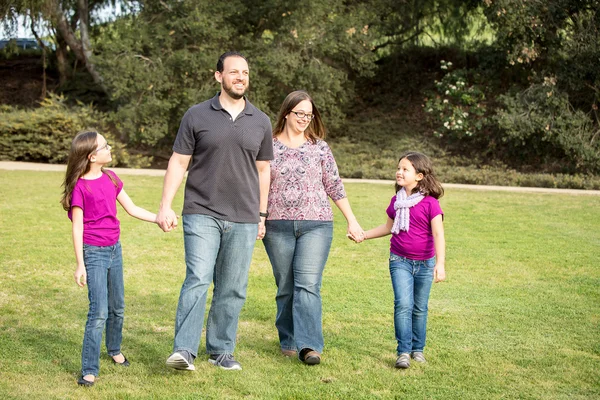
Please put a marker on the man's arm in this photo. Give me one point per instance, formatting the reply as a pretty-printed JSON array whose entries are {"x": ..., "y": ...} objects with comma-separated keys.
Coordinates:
[
  {"x": 166, "y": 217},
  {"x": 264, "y": 183}
]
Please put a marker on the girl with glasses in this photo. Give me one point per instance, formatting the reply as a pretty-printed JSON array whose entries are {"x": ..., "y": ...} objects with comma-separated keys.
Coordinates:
[{"x": 89, "y": 197}]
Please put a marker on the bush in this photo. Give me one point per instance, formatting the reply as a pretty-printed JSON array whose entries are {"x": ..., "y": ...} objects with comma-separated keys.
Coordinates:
[
  {"x": 45, "y": 133},
  {"x": 543, "y": 125},
  {"x": 503, "y": 176},
  {"x": 457, "y": 108}
]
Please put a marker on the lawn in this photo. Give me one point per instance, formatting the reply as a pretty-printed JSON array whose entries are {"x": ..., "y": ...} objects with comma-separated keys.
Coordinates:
[{"x": 517, "y": 318}]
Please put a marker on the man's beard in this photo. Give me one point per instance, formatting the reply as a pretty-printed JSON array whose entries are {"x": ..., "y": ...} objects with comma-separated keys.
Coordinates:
[{"x": 234, "y": 95}]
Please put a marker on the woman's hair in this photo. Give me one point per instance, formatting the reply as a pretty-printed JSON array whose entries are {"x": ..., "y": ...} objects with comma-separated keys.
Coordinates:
[
  {"x": 429, "y": 185},
  {"x": 82, "y": 146},
  {"x": 315, "y": 129}
]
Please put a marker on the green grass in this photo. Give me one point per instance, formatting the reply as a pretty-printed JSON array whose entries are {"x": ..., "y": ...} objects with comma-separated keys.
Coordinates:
[{"x": 518, "y": 317}]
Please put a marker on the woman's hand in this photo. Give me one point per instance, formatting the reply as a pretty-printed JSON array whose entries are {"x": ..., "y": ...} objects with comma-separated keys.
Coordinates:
[{"x": 355, "y": 232}]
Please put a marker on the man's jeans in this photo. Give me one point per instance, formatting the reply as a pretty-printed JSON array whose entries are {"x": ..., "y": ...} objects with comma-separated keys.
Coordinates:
[
  {"x": 104, "y": 269},
  {"x": 411, "y": 281},
  {"x": 215, "y": 251},
  {"x": 298, "y": 251}
]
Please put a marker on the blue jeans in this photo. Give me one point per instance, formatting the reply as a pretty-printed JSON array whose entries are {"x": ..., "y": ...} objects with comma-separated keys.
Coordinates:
[
  {"x": 104, "y": 269},
  {"x": 411, "y": 281},
  {"x": 298, "y": 251},
  {"x": 220, "y": 252}
]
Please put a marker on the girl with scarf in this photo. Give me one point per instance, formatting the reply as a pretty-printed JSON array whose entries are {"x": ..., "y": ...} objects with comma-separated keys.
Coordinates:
[{"x": 417, "y": 251}]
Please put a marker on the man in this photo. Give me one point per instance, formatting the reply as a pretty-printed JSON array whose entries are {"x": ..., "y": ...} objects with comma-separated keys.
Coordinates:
[{"x": 229, "y": 144}]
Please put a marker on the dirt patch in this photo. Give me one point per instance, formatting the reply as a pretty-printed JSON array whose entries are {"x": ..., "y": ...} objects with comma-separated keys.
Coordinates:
[{"x": 21, "y": 81}]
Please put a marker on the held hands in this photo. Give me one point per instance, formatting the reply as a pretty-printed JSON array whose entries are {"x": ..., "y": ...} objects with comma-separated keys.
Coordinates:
[
  {"x": 261, "y": 229},
  {"x": 355, "y": 232},
  {"x": 80, "y": 275},
  {"x": 166, "y": 219}
]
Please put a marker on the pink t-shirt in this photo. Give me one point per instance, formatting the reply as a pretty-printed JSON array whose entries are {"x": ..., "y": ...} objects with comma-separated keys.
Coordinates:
[
  {"x": 98, "y": 200},
  {"x": 417, "y": 243}
]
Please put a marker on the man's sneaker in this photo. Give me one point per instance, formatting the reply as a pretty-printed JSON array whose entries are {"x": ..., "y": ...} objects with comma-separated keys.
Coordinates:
[
  {"x": 181, "y": 360},
  {"x": 225, "y": 361},
  {"x": 403, "y": 361},
  {"x": 418, "y": 357}
]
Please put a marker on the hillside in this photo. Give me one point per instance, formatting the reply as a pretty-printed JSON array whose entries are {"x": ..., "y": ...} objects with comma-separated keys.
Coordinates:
[{"x": 22, "y": 81}]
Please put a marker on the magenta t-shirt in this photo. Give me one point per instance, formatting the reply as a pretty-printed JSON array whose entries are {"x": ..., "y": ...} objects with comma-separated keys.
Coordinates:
[
  {"x": 98, "y": 200},
  {"x": 417, "y": 243}
]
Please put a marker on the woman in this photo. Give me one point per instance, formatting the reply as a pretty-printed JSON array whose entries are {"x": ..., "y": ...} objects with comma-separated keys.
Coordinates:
[{"x": 299, "y": 223}]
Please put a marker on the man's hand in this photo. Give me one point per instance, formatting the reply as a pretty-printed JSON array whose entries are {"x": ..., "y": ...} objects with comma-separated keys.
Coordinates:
[
  {"x": 166, "y": 219},
  {"x": 262, "y": 230}
]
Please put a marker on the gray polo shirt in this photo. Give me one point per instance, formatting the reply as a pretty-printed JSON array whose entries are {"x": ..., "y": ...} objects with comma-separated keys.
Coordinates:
[{"x": 223, "y": 179}]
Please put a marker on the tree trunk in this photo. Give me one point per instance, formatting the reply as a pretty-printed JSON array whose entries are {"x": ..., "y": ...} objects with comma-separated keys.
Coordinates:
[
  {"x": 82, "y": 50},
  {"x": 62, "y": 60}
]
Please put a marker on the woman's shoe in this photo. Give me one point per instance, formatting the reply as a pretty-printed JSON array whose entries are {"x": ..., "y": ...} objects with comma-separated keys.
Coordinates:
[
  {"x": 125, "y": 362},
  {"x": 83, "y": 382},
  {"x": 310, "y": 357},
  {"x": 288, "y": 353}
]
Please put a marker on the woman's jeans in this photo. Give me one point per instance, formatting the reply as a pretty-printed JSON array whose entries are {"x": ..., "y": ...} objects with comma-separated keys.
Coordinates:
[
  {"x": 218, "y": 252},
  {"x": 298, "y": 251},
  {"x": 104, "y": 268},
  {"x": 411, "y": 281}
]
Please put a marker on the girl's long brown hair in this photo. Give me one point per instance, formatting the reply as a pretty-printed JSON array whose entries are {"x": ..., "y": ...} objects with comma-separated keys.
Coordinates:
[
  {"x": 82, "y": 146},
  {"x": 429, "y": 185},
  {"x": 315, "y": 130}
]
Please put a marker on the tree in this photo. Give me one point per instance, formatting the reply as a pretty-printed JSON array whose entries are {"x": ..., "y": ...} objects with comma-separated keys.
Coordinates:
[
  {"x": 161, "y": 60},
  {"x": 70, "y": 24}
]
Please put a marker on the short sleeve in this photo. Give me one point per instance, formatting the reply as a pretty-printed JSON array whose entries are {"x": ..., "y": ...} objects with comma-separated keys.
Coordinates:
[
  {"x": 265, "y": 153},
  {"x": 435, "y": 209},
  {"x": 390, "y": 210},
  {"x": 117, "y": 180},
  {"x": 77, "y": 197},
  {"x": 185, "y": 141}
]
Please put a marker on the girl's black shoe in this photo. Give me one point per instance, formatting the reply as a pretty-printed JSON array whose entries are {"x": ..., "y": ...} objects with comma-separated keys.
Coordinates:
[
  {"x": 125, "y": 363},
  {"x": 83, "y": 382}
]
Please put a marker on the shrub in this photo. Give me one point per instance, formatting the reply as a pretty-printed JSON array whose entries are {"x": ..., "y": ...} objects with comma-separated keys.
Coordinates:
[
  {"x": 543, "y": 125},
  {"x": 45, "y": 133},
  {"x": 457, "y": 108}
]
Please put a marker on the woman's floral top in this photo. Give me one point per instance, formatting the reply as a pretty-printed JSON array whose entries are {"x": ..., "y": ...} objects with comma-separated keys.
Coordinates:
[{"x": 302, "y": 180}]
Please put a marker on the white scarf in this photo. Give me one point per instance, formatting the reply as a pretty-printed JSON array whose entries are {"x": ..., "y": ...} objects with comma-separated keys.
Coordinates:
[{"x": 402, "y": 207}]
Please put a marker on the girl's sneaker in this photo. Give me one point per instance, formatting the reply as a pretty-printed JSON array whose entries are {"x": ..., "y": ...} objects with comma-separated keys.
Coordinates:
[
  {"x": 403, "y": 361},
  {"x": 418, "y": 357}
]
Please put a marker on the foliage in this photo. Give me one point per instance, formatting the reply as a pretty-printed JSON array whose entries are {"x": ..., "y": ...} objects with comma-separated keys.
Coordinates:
[
  {"x": 45, "y": 134},
  {"x": 541, "y": 122},
  {"x": 402, "y": 23},
  {"x": 559, "y": 38},
  {"x": 161, "y": 61},
  {"x": 457, "y": 108}
]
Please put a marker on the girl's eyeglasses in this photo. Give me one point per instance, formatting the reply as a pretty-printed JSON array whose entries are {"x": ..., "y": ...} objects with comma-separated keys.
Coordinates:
[
  {"x": 106, "y": 146},
  {"x": 302, "y": 114}
]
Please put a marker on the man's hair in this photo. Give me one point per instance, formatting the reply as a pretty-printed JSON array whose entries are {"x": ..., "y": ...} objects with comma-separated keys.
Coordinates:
[{"x": 221, "y": 62}]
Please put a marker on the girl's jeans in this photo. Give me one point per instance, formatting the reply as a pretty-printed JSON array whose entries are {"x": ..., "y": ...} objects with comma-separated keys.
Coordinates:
[
  {"x": 298, "y": 251},
  {"x": 411, "y": 281},
  {"x": 104, "y": 268}
]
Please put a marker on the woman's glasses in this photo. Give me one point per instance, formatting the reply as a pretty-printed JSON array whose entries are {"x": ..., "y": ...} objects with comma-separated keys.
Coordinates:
[{"x": 302, "y": 114}]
